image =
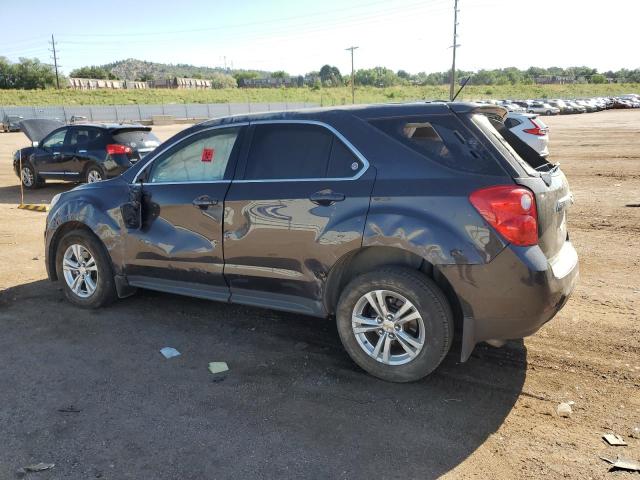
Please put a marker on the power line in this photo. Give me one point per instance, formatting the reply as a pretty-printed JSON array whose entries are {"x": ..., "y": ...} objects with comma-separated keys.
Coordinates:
[
  {"x": 454, "y": 46},
  {"x": 55, "y": 60},
  {"x": 353, "y": 84}
]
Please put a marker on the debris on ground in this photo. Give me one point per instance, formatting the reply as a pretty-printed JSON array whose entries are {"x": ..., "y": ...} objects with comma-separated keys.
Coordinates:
[
  {"x": 622, "y": 463},
  {"x": 635, "y": 432},
  {"x": 69, "y": 409},
  {"x": 169, "y": 352},
  {"x": 218, "y": 367},
  {"x": 38, "y": 467},
  {"x": 564, "y": 410},
  {"x": 614, "y": 440}
]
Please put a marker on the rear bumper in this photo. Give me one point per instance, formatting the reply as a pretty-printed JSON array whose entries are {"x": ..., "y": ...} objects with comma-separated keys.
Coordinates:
[{"x": 514, "y": 295}]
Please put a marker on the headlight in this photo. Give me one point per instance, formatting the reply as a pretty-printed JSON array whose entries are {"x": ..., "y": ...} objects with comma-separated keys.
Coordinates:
[{"x": 54, "y": 200}]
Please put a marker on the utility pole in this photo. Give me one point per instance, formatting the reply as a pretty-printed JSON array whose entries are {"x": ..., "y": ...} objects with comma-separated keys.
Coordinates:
[
  {"x": 353, "y": 91},
  {"x": 55, "y": 61},
  {"x": 454, "y": 46}
]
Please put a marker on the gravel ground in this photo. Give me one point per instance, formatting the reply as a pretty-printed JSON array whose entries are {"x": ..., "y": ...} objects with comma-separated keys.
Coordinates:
[{"x": 90, "y": 392}]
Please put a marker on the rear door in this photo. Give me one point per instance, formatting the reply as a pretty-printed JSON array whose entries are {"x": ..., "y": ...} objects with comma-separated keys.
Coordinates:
[
  {"x": 179, "y": 247},
  {"x": 84, "y": 146},
  {"x": 298, "y": 204}
]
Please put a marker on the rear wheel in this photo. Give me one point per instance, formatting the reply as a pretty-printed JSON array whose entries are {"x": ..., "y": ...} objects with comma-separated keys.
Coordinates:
[
  {"x": 94, "y": 174},
  {"x": 84, "y": 269},
  {"x": 548, "y": 112},
  {"x": 395, "y": 323}
]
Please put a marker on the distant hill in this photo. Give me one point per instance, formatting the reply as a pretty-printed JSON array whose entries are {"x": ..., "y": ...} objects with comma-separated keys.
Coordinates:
[{"x": 132, "y": 69}]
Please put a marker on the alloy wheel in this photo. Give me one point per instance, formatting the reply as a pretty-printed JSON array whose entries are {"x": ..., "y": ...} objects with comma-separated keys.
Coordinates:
[
  {"x": 80, "y": 270},
  {"x": 388, "y": 327},
  {"x": 27, "y": 177},
  {"x": 94, "y": 176}
]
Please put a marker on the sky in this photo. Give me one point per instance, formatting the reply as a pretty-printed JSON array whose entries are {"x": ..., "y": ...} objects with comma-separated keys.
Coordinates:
[{"x": 300, "y": 36}]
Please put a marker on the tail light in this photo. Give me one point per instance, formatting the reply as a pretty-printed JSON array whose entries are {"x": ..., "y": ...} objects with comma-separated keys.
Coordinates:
[
  {"x": 511, "y": 210},
  {"x": 536, "y": 130},
  {"x": 116, "y": 149}
]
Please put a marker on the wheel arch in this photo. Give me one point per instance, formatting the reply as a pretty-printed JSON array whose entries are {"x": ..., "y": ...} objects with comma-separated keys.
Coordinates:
[
  {"x": 60, "y": 232},
  {"x": 371, "y": 258}
]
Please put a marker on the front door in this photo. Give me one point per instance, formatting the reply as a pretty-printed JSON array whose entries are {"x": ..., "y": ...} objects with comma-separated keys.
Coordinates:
[
  {"x": 48, "y": 157},
  {"x": 179, "y": 247},
  {"x": 298, "y": 204}
]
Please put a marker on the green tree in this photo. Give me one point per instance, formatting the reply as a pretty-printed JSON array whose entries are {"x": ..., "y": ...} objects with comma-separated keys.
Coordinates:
[
  {"x": 280, "y": 74},
  {"x": 598, "y": 78}
]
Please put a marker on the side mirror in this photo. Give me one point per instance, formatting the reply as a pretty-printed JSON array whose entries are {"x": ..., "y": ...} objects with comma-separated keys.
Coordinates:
[{"x": 132, "y": 210}]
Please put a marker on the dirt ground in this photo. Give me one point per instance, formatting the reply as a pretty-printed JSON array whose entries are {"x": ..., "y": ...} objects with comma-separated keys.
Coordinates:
[{"x": 293, "y": 404}]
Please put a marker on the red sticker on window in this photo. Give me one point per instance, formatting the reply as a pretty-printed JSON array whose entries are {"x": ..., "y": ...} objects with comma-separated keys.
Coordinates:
[{"x": 207, "y": 154}]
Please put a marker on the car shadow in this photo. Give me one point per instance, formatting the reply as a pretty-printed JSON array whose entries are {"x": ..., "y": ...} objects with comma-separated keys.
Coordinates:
[
  {"x": 92, "y": 394},
  {"x": 11, "y": 194}
]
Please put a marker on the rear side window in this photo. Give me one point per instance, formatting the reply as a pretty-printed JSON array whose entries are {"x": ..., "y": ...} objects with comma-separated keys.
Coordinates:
[
  {"x": 342, "y": 162},
  {"x": 441, "y": 140},
  {"x": 83, "y": 137},
  {"x": 288, "y": 151},
  {"x": 136, "y": 138},
  {"x": 511, "y": 122}
]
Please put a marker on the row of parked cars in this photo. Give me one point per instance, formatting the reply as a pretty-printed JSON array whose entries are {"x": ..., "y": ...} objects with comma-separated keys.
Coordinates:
[{"x": 559, "y": 106}]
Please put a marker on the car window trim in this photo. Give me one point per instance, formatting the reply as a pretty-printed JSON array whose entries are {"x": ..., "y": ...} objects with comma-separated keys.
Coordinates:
[
  {"x": 347, "y": 143},
  {"x": 177, "y": 142}
]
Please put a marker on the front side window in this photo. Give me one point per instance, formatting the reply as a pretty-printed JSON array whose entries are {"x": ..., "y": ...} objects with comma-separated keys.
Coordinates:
[
  {"x": 198, "y": 159},
  {"x": 56, "y": 140},
  {"x": 288, "y": 151}
]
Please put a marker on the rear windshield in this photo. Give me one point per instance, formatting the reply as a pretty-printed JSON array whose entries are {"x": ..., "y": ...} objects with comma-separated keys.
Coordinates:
[
  {"x": 443, "y": 140},
  {"x": 514, "y": 150},
  {"x": 136, "y": 138}
]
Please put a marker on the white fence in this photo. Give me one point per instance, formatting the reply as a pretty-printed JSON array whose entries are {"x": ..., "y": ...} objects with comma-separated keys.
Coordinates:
[{"x": 136, "y": 113}]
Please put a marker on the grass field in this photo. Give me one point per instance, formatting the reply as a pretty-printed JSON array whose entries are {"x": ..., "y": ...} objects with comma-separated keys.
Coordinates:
[{"x": 325, "y": 96}]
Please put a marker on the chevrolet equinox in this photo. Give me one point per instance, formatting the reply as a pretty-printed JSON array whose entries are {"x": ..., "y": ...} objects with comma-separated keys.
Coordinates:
[{"x": 408, "y": 224}]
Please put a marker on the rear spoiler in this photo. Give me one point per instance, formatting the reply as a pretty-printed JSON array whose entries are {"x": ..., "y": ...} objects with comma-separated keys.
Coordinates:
[
  {"x": 130, "y": 128},
  {"x": 492, "y": 110}
]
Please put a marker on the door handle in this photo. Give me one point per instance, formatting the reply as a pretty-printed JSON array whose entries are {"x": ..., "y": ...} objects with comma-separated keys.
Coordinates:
[
  {"x": 82, "y": 151},
  {"x": 204, "y": 202},
  {"x": 326, "y": 198}
]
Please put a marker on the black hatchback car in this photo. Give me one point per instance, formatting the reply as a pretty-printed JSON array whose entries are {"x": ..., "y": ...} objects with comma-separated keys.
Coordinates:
[
  {"x": 401, "y": 221},
  {"x": 79, "y": 153}
]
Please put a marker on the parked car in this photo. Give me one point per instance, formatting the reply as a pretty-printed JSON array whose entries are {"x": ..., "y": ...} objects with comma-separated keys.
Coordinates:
[
  {"x": 400, "y": 221},
  {"x": 79, "y": 153},
  {"x": 530, "y": 129},
  {"x": 542, "y": 108},
  {"x": 11, "y": 123},
  {"x": 562, "y": 106},
  {"x": 587, "y": 106},
  {"x": 577, "y": 108}
]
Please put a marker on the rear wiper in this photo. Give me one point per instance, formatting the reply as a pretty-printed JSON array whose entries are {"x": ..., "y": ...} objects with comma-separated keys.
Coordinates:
[{"x": 554, "y": 168}]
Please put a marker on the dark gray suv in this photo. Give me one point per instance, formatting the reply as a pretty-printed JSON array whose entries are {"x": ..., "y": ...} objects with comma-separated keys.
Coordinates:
[{"x": 407, "y": 223}]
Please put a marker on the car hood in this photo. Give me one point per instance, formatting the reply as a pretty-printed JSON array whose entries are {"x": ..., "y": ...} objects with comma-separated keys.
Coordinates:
[{"x": 37, "y": 128}]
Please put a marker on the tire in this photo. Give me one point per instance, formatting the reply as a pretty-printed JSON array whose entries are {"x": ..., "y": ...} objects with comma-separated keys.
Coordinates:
[
  {"x": 104, "y": 285},
  {"x": 94, "y": 174},
  {"x": 426, "y": 299},
  {"x": 29, "y": 178},
  {"x": 548, "y": 113}
]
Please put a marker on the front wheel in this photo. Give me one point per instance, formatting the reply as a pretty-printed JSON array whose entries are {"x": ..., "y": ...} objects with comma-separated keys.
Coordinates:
[
  {"x": 29, "y": 178},
  {"x": 85, "y": 271},
  {"x": 395, "y": 323}
]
